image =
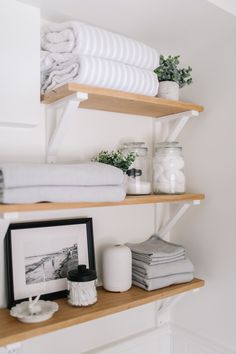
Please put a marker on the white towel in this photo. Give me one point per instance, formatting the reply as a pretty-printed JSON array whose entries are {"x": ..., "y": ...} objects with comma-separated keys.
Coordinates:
[
  {"x": 56, "y": 62},
  {"x": 62, "y": 194},
  {"x": 50, "y": 61},
  {"x": 82, "y": 39},
  {"x": 102, "y": 73},
  {"x": 59, "y": 76},
  {"x": 36, "y": 174}
]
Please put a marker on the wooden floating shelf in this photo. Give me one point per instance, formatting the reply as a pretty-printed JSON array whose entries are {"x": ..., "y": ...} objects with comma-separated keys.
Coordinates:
[
  {"x": 129, "y": 200},
  {"x": 120, "y": 102},
  {"x": 12, "y": 331}
]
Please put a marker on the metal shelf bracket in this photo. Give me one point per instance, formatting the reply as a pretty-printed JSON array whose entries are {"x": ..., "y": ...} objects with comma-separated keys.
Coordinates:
[
  {"x": 15, "y": 348},
  {"x": 179, "y": 121},
  {"x": 70, "y": 105},
  {"x": 165, "y": 229},
  {"x": 167, "y": 304}
]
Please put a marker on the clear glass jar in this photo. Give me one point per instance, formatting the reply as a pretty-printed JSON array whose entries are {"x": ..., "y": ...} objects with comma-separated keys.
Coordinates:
[
  {"x": 139, "y": 173},
  {"x": 168, "y": 166}
]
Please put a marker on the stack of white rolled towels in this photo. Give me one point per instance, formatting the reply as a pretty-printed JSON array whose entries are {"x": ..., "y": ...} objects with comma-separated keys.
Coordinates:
[
  {"x": 22, "y": 183},
  {"x": 157, "y": 263},
  {"x": 76, "y": 52}
]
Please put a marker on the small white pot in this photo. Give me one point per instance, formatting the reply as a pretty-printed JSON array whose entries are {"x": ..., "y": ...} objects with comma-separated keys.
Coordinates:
[{"x": 168, "y": 90}]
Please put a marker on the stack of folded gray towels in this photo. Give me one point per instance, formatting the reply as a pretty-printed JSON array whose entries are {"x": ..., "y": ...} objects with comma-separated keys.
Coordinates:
[
  {"x": 157, "y": 264},
  {"x": 76, "y": 52},
  {"x": 85, "y": 182}
]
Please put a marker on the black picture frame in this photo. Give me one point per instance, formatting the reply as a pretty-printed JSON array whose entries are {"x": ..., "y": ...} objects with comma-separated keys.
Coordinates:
[{"x": 27, "y": 256}]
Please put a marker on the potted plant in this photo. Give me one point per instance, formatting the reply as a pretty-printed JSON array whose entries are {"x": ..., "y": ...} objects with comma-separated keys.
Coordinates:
[
  {"x": 116, "y": 158},
  {"x": 171, "y": 77}
]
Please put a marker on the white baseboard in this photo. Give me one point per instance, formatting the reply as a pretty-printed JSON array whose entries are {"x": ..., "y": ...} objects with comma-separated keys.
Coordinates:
[{"x": 186, "y": 342}]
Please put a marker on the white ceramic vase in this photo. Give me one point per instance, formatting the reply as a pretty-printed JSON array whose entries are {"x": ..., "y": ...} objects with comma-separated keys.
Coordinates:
[
  {"x": 168, "y": 90},
  {"x": 117, "y": 268}
]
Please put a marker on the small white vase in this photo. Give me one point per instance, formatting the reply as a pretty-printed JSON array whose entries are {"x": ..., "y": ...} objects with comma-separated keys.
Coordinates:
[
  {"x": 168, "y": 90},
  {"x": 117, "y": 268}
]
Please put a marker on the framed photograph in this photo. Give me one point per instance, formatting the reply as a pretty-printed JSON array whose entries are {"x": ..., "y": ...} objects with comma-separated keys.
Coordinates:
[{"x": 39, "y": 254}]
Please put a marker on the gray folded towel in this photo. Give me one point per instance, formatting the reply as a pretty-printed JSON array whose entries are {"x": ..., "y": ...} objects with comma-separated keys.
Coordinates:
[
  {"x": 36, "y": 174},
  {"x": 155, "y": 248},
  {"x": 62, "y": 194},
  {"x": 161, "y": 282},
  {"x": 156, "y": 261},
  {"x": 153, "y": 271}
]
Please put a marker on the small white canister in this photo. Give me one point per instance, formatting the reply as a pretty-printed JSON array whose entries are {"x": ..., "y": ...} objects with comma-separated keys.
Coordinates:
[
  {"x": 117, "y": 268},
  {"x": 82, "y": 286}
]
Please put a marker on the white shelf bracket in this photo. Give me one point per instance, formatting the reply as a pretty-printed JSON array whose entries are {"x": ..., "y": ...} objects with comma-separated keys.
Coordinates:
[
  {"x": 70, "y": 106},
  {"x": 179, "y": 121},
  {"x": 15, "y": 348},
  {"x": 163, "y": 231},
  {"x": 168, "y": 304},
  {"x": 9, "y": 216}
]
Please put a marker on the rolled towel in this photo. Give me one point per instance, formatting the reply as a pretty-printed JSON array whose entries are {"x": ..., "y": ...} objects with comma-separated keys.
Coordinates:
[
  {"x": 156, "y": 248},
  {"x": 102, "y": 73},
  {"x": 62, "y": 194},
  {"x": 157, "y": 261},
  {"x": 59, "y": 76},
  {"x": 50, "y": 61},
  {"x": 37, "y": 174},
  {"x": 162, "y": 282},
  {"x": 82, "y": 39},
  {"x": 57, "y": 62},
  {"x": 161, "y": 270}
]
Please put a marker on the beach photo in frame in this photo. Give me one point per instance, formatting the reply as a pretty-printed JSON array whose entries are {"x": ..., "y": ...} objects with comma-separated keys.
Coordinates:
[{"x": 39, "y": 254}]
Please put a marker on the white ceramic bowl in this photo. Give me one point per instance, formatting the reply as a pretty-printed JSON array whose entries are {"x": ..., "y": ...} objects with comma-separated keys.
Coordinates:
[{"x": 45, "y": 310}]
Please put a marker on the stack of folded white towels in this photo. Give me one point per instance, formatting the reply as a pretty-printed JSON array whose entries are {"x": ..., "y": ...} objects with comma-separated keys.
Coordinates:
[
  {"x": 84, "y": 182},
  {"x": 157, "y": 264},
  {"x": 77, "y": 52}
]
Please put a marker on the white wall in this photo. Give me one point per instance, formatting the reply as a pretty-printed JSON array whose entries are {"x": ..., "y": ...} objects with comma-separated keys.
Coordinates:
[
  {"x": 208, "y": 232},
  {"x": 227, "y": 5},
  {"x": 19, "y": 90}
]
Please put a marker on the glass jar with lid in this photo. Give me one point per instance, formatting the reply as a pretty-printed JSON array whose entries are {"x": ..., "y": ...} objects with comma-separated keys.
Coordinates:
[
  {"x": 139, "y": 173},
  {"x": 168, "y": 166},
  {"x": 81, "y": 283}
]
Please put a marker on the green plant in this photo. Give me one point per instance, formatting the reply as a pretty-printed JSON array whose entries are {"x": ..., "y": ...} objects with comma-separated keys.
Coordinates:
[
  {"x": 116, "y": 158},
  {"x": 169, "y": 71}
]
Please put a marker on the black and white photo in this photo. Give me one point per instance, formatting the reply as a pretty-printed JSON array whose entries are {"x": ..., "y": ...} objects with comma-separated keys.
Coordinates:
[
  {"x": 40, "y": 254},
  {"x": 50, "y": 266}
]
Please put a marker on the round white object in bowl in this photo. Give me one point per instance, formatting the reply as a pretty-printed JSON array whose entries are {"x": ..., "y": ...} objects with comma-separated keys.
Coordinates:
[{"x": 45, "y": 310}]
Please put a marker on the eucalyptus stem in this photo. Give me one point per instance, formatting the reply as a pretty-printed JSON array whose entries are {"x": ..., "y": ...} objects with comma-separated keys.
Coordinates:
[
  {"x": 169, "y": 71},
  {"x": 116, "y": 158}
]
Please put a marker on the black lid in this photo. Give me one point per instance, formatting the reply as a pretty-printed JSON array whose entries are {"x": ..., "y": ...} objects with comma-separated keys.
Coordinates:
[{"x": 82, "y": 274}]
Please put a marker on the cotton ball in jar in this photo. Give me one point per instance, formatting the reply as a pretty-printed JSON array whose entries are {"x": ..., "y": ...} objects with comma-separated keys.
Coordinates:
[
  {"x": 176, "y": 162},
  {"x": 174, "y": 175},
  {"x": 158, "y": 171},
  {"x": 164, "y": 187}
]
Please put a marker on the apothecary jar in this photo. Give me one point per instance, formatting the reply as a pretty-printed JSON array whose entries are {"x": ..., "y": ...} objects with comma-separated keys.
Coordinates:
[
  {"x": 139, "y": 173},
  {"x": 168, "y": 167}
]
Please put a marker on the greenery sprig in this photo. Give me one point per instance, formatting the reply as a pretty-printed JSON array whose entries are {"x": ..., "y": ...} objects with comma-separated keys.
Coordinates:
[
  {"x": 116, "y": 158},
  {"x": 169, "y": 71}
]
